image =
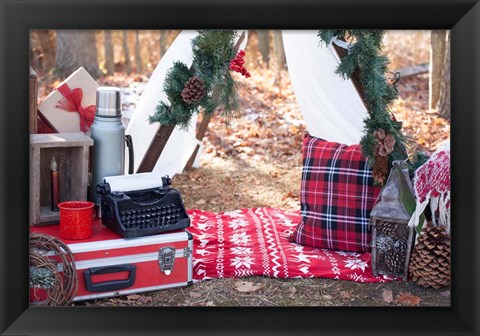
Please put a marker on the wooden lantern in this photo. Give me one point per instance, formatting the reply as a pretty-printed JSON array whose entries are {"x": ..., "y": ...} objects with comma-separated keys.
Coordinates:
[{"x": 392, "y": 238}]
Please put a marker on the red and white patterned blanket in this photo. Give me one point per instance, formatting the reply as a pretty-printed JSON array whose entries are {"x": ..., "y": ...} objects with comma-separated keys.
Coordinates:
[{"x": 254, "y": 242}]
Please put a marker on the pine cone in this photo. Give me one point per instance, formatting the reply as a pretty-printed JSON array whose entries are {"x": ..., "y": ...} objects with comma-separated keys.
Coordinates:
[
  {"x": 384, "y": 244},
  {"x": 194, "y": 90},
  {"x": 400, "y": 247},
  {"x": 395, "y": 261},
  {"x": 380, "y": 169},
  {"x": 430, "y": 262},
  {"x": 394, "y": 230}
]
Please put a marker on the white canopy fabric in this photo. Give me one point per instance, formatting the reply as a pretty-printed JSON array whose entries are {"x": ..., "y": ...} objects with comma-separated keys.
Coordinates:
[
  {"x": 181, "y": 143},
  {"x": 330, "y": 105}
]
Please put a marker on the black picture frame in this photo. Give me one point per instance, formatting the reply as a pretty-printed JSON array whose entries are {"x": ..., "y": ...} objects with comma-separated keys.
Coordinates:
[{"x": 17, "y": 17}]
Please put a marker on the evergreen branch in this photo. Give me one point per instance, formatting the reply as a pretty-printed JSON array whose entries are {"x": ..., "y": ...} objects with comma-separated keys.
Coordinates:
[
  {"x": 365, "y": 55},
  {"x": 212, "y": 53}
]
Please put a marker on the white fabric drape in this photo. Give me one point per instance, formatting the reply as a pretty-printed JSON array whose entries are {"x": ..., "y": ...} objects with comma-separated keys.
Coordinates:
[
  {"x": 330, "y": 105},
  {"x": 181, "y": 144}
]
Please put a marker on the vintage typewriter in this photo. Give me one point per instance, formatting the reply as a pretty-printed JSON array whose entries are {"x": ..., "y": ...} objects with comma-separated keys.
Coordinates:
[{"x": 153, "y": 209}]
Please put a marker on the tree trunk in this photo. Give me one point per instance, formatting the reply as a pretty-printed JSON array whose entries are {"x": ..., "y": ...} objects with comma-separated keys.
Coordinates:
[
  {"x": 109, "y": 58},
  {"x": 437, "y": 59},
  {"x": 138, "y": 57},
  {"x": 264, "y": 45},
  {"x": 280, "y": 59},
  {"x": 128, "y": 62},
  {"x": 250, "y": 47},
  {"x": 279, "y": 49},
  {"x": 42, "y": 50},
  {"x": 444, "y": 101},
  {"x": 163, "y": 42},
  {"x": 77, "y": 48}
]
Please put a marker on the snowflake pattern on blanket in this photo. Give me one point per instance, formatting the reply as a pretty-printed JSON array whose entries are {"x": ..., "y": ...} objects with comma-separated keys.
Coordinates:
[{"x": 254, "y": 242}]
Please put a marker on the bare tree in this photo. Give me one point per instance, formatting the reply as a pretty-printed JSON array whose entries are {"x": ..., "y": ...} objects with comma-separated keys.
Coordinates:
[
  {"x": 163, "y": 42},
  {"x": 128, "y": 63},
  {"x": 138, "y": 57},
  {"x": 264, "y": 45},
  {"x": 42, "y": 50},
  {"x": 444, "y": 100},
  {"x": 280, "y": 58},
  {"x": 109, "y": 58},
  {"x": 437, "y": 59},
  {"x": 76, "y": 48}
]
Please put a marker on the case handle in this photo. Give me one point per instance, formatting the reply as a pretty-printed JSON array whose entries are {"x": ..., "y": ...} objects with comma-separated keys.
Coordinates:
[{"x": 110, "y": 285}]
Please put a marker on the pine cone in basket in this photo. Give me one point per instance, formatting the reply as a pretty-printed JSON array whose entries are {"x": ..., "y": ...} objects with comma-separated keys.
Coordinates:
[
  {"x": 194, "y": 90},
  {"x": 430, "y": 262}
]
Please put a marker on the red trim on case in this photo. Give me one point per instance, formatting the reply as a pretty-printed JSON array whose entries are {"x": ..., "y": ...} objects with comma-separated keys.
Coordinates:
[{"x": 127, "y": 251}]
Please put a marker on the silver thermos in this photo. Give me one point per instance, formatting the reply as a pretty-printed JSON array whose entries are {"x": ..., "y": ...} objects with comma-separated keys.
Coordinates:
[{"x": 108, "y": 134}]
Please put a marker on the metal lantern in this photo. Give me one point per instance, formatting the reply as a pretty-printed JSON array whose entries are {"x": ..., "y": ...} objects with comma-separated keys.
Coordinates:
[{"x": 392, "y": 238}]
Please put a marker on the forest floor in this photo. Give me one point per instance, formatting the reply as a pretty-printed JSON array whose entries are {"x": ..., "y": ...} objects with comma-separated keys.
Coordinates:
[{"x": 256, "y": 161}]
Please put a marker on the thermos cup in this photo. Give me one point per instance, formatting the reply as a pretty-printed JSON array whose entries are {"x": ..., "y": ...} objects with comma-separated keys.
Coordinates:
[{"x": 108, "y": 134}]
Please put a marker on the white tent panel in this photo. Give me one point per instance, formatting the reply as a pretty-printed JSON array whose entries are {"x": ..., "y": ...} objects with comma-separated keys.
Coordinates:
[
  {"x": 330, "y": 105},
  {"x": 181, "y": 144}
]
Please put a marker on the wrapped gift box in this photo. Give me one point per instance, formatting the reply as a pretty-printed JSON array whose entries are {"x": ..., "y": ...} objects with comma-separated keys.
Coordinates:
[{"x": 74, "y": 97}]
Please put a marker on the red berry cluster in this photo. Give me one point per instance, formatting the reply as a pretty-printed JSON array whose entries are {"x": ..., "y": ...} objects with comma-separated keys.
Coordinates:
[{"x": 236, "y": 64}]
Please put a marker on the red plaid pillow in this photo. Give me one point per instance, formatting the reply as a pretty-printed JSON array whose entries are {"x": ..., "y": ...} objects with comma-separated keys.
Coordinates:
[{"x": 337, "y": 196}]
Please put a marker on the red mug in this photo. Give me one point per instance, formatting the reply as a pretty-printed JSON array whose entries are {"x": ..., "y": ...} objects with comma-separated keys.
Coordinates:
[{"x": 76, "y": 219}]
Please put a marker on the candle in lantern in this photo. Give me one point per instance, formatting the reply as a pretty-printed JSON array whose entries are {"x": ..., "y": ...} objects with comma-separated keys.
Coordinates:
[{"x": 54, "y": 184}]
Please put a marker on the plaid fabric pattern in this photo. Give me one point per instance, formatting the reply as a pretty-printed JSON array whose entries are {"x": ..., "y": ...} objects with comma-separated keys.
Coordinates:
[{"x": 337, "y": 196}]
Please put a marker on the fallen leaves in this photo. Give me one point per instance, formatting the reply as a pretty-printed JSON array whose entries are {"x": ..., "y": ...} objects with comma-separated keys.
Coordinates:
[
  {"x": 246, "y": 286},
  {"x": 133, "y": 297},
  {"x": 408, "y": 299},
  {"x": 274, "y": 173},
  {"x": 402, "y": 298},
  {"x": 387, "y": 295},
  {"x": 195, "y": 295},
  {"x": 269, "y": 134}
]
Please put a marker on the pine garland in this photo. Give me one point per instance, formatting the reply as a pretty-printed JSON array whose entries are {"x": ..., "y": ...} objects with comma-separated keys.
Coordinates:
[
  {"x": 365, "y": 55},
  {"x": 212, "y": 52}
]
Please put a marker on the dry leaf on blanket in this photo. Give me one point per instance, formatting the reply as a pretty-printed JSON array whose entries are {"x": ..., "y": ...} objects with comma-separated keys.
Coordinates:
[
  {"x": 246, "y": 286},
  {"x": 407, "y": 298},
  {"x": 387, "y": 295}
]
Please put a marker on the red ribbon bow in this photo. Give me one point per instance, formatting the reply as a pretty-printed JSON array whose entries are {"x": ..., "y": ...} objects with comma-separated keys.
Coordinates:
[{"x": 72, "y": 102}]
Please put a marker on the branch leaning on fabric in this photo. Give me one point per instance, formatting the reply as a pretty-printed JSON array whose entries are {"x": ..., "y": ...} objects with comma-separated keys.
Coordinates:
[
  {"x": 383, "y": 141},
  {"x": 207, "y": 83}
]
